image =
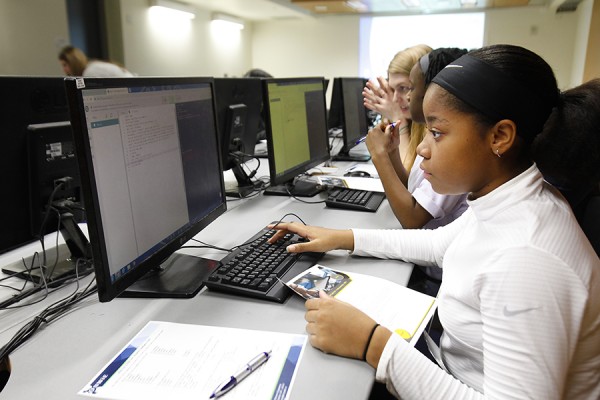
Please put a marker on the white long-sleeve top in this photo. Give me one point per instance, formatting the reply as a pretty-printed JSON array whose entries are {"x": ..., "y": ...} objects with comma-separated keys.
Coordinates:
[{"x": 519, "y": 302}]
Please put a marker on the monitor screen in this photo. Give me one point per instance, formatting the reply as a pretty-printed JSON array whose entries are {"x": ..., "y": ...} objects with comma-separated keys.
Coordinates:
[
  {"x": 296, "y": 124},
  {"x": 25, "y": 101},
  {"x": 347, "y": 111},
  {"x": 151, "y": 176},
  {"x": 239, "y": 106}
]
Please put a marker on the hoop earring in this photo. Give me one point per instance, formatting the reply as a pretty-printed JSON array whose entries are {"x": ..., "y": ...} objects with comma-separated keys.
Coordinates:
[{"x": 498, "y": 153}]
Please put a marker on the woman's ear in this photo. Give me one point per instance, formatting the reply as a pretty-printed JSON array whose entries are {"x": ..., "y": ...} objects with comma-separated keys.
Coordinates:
[{"x": 504, "y": 135}]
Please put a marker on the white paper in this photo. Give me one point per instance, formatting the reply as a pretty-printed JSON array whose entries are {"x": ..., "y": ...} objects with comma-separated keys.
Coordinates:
[
  {"x": 398, "y": 308},
  {"x": 180, "y": 361},
  {"x": 354, "y": 182}
]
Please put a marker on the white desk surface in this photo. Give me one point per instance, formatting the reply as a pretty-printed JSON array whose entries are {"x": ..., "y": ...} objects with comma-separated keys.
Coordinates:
[{"x": 62, "y": 357}]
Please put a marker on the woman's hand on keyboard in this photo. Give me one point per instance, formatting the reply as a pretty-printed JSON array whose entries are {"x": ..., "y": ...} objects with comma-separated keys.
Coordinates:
[{"x": 319, "y": 239}]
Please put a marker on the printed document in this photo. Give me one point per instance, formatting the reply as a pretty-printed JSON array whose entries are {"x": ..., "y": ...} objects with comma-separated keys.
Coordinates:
[{"x": 180, "y": 361}]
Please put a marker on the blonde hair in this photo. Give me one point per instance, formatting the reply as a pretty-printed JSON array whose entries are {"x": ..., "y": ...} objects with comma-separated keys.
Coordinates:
[
  {"x": 402, "y": 63},
  {"x": 75, "y": 59}
]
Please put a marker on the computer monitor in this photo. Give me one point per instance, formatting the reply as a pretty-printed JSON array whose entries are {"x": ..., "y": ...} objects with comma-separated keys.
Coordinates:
[
  {"x": 38, "y": 155},
  {"x": 347, "y": 112},
  {"x": 296, "y": 124},
  {"x": 239, "y": 103},
  {"x": 25, "y": 101},
  {"x": 53, "y": 176},
  {"x": 152, "y": 178}
]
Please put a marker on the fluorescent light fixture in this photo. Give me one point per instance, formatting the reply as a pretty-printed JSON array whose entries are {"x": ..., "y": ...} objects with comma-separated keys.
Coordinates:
[
  {"x": 468, "y": 3},
  {"x": 356, "y": 5},
  {"x": 228, "y": 21},
  {"x": 411, "y": 3},
  {"x": 175, "y": 8}
]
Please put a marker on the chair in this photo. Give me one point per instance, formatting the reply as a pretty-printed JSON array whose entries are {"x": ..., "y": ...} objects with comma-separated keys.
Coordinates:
[{"x": 591, "y": 222}]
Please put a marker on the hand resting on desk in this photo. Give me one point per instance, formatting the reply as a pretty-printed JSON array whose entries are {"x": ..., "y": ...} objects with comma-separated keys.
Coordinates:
[{"x": 320, "y": 239}]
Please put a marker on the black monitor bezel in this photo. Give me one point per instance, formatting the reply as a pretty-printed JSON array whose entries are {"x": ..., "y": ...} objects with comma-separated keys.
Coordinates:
[
  {"x": 227, "y": 94},
  {"x": 338, "y": 107},
  {"x": 108, "y": 290},
  {"x": 290, "y": 174},
  {"x": 27, "y": 100}
]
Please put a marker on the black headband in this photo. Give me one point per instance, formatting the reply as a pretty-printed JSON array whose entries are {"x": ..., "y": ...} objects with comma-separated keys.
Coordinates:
[{"x": 495, "y": 94}]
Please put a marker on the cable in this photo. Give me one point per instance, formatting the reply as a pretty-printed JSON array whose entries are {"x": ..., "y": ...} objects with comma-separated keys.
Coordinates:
[
  {"x": 206, "y": 245},
  {"x": 48, "y": 315}
]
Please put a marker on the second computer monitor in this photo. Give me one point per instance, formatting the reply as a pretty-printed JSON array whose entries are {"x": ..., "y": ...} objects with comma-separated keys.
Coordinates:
[
  {"x": 296, "y": 124},
  {"x": 239, "y": 104},
  {"x": 347, "y": 111}
]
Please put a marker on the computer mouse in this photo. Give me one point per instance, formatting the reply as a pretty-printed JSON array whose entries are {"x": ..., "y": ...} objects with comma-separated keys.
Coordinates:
[{"x": 361, "y": 174}]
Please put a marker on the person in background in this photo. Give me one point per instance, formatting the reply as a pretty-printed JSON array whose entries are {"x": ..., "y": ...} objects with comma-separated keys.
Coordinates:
[
  {"x": 257, "y": 73},
  {"x": 520, "y": 298},
  {"x": 74, "y": 62},
  {"x": 389, "y": 98},
  {"x": 411, "y": 197}
]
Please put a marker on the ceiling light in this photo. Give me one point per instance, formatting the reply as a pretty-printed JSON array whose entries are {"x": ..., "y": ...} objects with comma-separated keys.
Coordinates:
[
  {"x": 174, "y": 8},
  {"x": 356, "y": 5},
  {"x": 468, "y": 3},
  {"x": 227, "y": 20},
  {"x": 411, "y": 3}
]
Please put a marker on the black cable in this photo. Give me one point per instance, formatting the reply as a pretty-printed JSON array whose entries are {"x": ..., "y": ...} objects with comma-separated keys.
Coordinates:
[
  {"x": 207, "y": 245},
  {"x": 53, "y": 285},
  {"x": 48, "y": 315}
]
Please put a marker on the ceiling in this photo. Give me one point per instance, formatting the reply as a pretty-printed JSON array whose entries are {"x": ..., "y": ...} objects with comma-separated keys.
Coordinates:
[{"x": 257, "y": 10}]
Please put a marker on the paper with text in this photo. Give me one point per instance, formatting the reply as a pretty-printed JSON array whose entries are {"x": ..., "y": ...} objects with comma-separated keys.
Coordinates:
[{"x": 181, "y": 361}]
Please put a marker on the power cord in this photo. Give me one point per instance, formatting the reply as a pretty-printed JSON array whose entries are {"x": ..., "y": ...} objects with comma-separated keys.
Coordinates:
[{"x": 47, "y": 316}]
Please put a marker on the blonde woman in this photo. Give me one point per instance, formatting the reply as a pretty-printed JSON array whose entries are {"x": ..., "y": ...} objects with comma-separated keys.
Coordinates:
[{"x": 390, "y": 99}]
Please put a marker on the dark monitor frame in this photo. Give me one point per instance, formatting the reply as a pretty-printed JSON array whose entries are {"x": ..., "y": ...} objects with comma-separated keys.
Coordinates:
[
  {"x": 52, "y": 161},
  {"x": 26, "y": 100},
  {"x": 164, "y": 273},
  {"x": 239, "y": 103},
  {"x": 347, "y": 112},
  {"x": 283, "y": 183}
]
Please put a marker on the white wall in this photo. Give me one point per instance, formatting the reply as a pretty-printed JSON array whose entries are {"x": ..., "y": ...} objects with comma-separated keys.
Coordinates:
[
  {"x": 551, "y": 35},
  {"x": 328, "y": 46},
  {"x": 32, "y": 32},
  {"x": 584, "y": 11},
  {"x": 188, "y": 47},
  {"x": 324, "y": 46}
]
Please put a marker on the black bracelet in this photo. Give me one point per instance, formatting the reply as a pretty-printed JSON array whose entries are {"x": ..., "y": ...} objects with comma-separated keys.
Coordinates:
[{"x": 364, "y": 357}]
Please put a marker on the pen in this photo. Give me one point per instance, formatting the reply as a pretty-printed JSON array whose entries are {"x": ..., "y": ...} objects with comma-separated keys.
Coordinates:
[
  {"x": 233, "y": 380},
  {"x": 362, "y": 139}
]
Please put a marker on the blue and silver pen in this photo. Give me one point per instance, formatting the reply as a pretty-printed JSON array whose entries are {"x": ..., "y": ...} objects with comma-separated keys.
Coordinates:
[
  {"x": 362, "y": 139},
  {"x": 233, "y": 380}
]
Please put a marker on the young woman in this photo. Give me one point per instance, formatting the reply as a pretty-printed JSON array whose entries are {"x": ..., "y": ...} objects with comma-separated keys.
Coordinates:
[
  {"x": 389, "y": 98},
  {"x": 520, "y": 298}
]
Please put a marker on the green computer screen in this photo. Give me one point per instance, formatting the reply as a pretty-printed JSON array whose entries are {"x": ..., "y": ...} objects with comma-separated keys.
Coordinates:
[{"x": 297, "y": 121}]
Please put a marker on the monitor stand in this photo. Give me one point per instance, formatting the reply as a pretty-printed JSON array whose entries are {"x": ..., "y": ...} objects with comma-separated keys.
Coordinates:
[
  {"x": 245, "y": 185},
  {"x": 299, "y": 189},
  {"x": 179, "y": 276},
  {"x": 76, "y": 247},
  {"x": 346, "y": 156}
]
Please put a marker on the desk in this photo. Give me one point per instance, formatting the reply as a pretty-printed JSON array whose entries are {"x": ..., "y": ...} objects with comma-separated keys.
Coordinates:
[{"x": 61, "y": 358}]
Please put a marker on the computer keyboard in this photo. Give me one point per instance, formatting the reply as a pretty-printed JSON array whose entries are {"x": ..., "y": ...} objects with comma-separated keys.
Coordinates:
[
  {"x": 255, "y": 268},
  {"x": 354, "y": 199}
]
